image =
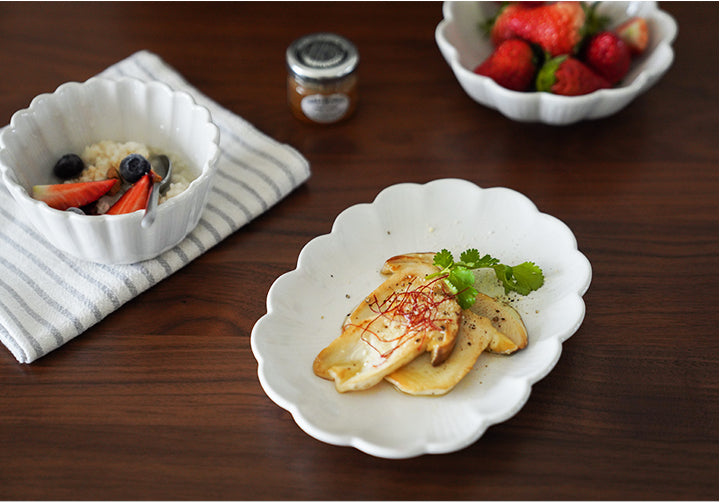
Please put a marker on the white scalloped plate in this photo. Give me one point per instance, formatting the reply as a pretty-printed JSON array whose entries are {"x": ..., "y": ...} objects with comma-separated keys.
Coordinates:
[{"x": 305, "y": 308}]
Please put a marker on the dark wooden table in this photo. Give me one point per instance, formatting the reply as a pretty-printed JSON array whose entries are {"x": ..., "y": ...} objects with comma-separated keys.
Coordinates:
[{"x": 160, "y": 400}]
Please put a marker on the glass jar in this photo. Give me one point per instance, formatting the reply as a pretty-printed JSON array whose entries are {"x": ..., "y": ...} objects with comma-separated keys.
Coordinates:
[{"x": 322, "y": 78}]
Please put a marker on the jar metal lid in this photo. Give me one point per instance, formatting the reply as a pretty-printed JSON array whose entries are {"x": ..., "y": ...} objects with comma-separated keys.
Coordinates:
[{"x": 322, "y": 56}]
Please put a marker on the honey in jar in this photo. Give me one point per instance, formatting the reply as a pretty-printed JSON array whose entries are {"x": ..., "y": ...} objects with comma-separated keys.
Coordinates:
[{"x": 322, "y": 78}]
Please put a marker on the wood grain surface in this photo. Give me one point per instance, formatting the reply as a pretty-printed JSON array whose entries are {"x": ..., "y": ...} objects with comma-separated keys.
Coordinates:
[{"x": 161, "y": 400}]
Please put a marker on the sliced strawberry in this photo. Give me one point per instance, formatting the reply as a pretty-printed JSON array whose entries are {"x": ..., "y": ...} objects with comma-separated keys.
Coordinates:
[
  {"x": 634, "y": 32},
  {"x": 64, "y": 195},
  {"x": 135, "y": 198}
]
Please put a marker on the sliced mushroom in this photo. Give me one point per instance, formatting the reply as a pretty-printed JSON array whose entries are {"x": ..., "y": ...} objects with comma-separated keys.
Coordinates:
[
  {"x": 356, "y": 365},
  {"x": 399, "y": 262},
  {"x": 441, "y": 341},
  {"x": 511, "y": 332},
  {"x": 404, "y": 317},
  {"x": 421, "y": 378}
]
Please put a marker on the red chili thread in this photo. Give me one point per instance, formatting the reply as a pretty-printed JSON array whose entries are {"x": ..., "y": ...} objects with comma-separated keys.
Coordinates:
[{"x": 417, "y": 309}]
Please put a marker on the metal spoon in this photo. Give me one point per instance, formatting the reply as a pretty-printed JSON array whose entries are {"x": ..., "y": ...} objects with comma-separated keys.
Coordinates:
[{"x": 163, "y": 167}]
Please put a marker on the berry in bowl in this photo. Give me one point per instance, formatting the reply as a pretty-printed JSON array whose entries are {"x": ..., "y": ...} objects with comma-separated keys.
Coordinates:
[
  {"x": 556, "y": 62},
  {"x": 111, "y": 177},
  {"x": 80, "y": 164}
]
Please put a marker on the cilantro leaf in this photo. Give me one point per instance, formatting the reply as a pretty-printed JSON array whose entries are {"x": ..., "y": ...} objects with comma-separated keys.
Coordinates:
[
  {"x": 470, "y": 257},
  {"x": 466, "y": 297},
  {"x": 444, "y": 259},
  {"x": 487, "y": 261},
  {"x": 461, "y": 277},
  {"x": 523, "y": 278}
]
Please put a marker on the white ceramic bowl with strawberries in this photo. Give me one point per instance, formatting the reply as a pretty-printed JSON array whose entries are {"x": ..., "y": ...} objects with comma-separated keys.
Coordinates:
[
  {"x": 464, "y": 45},
  {"x": 80, "y": 114}
]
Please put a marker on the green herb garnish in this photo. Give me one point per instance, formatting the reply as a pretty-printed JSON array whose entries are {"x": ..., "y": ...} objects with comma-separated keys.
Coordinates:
[{"x": 523, "y": 278}]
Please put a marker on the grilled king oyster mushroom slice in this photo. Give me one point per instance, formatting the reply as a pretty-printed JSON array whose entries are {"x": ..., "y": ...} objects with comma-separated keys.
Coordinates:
[
  {"x": 510, "y": 334},
  {"x": 506, "y": 321},
  {"x": 420, "y": 378},
  {"x": 406, "y": 316},
  {"x": 398, "y": 262}
]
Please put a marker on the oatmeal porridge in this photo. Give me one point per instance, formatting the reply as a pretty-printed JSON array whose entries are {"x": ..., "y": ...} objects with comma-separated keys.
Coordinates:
[
  {"x": 111, "y": 177},
  {"x": 106, "y": 156}
]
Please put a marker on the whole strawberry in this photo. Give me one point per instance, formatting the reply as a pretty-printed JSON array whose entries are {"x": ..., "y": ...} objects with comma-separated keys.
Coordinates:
[
  {"x": 512, "y": 65},
  {"x": 608, "y": 55},
  {"x": 556, "y": 27},
  {"x": 568, "y": 76}
]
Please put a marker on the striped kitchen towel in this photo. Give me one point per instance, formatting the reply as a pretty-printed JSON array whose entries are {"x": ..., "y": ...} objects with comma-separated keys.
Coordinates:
[{"x": 48, "y": 297}]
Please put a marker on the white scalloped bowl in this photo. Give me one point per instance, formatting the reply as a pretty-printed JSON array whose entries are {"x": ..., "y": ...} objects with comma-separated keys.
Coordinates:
[
  {"x": 464, "y": 46},
  {"x": 80, "y": 114},
  {"x": 306, "y": 308}
]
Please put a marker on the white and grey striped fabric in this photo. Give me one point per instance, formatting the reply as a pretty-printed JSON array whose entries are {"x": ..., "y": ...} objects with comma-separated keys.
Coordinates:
[{"x": 48, "y": 297}]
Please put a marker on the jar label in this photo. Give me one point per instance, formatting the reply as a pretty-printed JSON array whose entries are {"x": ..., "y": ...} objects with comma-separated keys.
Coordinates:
[{"x": 325, "y": 108}]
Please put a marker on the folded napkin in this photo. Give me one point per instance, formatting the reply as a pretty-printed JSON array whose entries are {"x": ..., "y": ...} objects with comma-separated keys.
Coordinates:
[{"x": 48, "y": 297}]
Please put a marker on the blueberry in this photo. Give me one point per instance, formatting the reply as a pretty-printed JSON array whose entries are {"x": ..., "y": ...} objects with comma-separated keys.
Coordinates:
[
  {"x": 68, "y": 166},
  {"x": 133, "y": 167}
]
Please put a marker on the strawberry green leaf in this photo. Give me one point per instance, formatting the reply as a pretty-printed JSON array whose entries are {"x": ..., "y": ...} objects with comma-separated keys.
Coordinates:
[{"x": 545, "y": 79}]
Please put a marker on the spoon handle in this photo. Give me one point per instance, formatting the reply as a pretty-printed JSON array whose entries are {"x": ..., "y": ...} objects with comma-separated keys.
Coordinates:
[{"x": 149, "y": 217}]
